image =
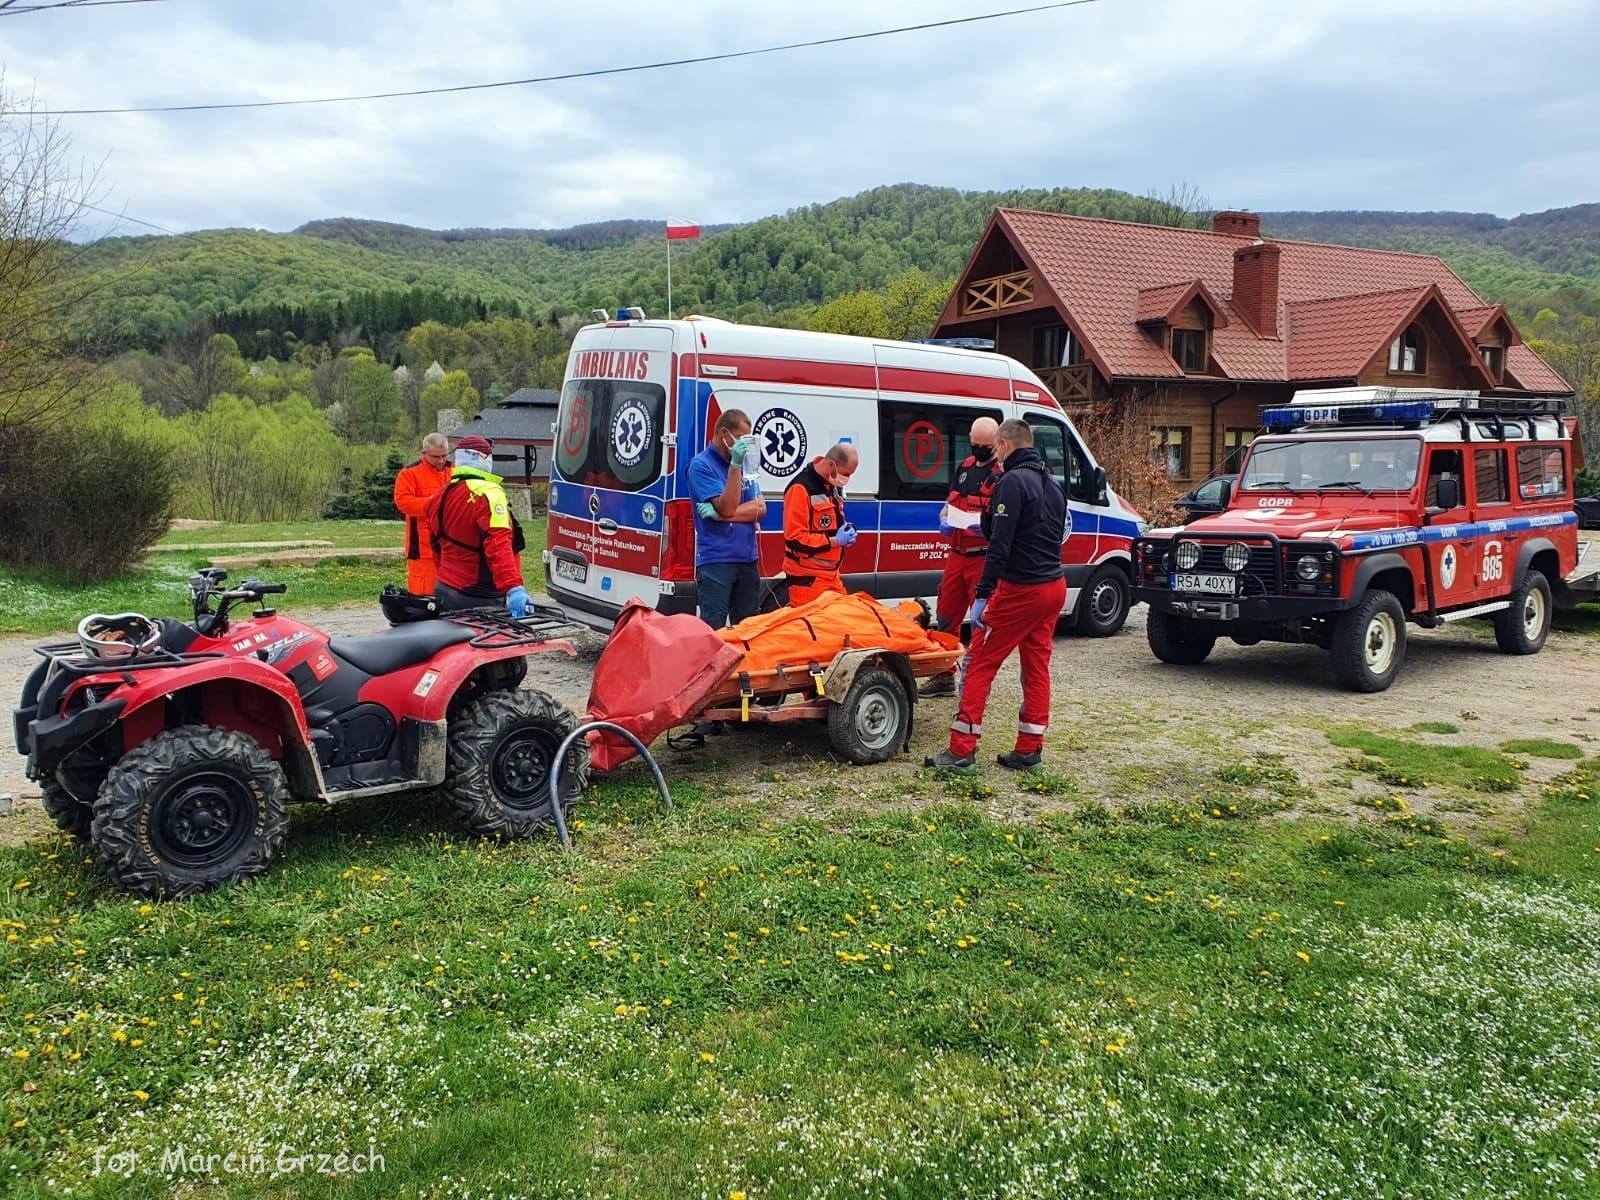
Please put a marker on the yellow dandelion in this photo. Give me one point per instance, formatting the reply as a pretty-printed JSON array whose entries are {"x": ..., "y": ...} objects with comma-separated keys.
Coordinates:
[
  {"x": 707, "y": 1057},
  {"x": 140, "y": 1095},
  {"x": 1302, "y": 956}
]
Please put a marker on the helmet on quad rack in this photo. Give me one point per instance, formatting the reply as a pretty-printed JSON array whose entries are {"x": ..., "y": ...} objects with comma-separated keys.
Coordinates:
[
  {"x": 124, "y": 635},
  {"x": 401, "y": 606}
]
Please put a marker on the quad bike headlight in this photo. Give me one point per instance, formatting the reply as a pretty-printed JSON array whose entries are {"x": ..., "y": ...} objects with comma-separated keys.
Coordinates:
[
  {"x": 1236, "y": 557},
  {"x": 1308, "y": 568},
  {"x": 1187, "y": 555}
]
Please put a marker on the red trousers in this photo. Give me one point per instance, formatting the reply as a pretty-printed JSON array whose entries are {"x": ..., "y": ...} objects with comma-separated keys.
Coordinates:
[
  {"x": 1019, "y": 616},
  {"x": 961, "y": 575}
]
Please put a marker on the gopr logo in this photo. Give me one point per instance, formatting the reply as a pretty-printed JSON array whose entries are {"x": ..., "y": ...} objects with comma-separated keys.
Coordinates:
[
  {"x": 1448, "y": 561},
  {"x": 631, "y": 429},
  {"x": 782, "y": 441}
]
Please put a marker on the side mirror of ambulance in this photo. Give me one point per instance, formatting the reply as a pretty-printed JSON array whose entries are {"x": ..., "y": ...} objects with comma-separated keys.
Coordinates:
[{"x": 1099, "y": 487}]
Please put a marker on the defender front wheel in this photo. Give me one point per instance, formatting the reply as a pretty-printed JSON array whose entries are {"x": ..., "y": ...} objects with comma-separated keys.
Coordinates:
[
  {"x": 192, "y": 808},
  {"x": 1369, "y": 643},
  {"x": 500, "y": 750},
  {"x": 1178, "y": 640},
  {"x": 1523, "y": 628}
]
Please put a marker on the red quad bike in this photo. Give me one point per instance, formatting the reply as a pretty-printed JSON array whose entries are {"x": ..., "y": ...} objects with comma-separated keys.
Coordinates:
[{"x": 176, "y": 748}]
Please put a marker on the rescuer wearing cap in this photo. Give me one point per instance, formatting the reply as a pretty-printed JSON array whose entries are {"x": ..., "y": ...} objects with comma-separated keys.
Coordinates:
[
  {"x": 476, "y": 539},
  {"x": 970, "y": 492},
  {"x": 1019, "y": 598},
  {"x": 815, "y": 533},
  {"x": 414, "y": 486}
]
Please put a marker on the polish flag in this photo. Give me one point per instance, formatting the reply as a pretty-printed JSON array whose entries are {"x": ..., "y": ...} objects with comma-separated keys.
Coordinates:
[{"x": 677, "y": 229}]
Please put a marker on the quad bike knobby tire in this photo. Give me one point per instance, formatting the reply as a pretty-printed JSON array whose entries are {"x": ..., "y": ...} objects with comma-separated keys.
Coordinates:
[
  {"x": 498, "y": 765},
  {"x": 71, "y": 815},
  {"x": 192, "y": 808}
]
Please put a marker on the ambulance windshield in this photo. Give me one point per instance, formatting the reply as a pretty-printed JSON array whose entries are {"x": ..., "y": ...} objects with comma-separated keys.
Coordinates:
[
  {"x": 1317, "y": 463},
  {"x": 608, "y": 433}
]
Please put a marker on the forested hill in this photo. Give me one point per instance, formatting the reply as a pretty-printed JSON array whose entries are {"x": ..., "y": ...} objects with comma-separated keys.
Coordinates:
[{"x": 776, "y": 269}]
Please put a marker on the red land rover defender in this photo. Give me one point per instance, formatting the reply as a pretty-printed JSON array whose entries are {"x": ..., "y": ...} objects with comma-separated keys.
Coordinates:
[{"x": 1362, "y": 509}]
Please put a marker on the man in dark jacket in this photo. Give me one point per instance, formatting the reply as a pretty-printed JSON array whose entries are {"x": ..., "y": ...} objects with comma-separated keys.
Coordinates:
[{"x": 1019, "y": 597}]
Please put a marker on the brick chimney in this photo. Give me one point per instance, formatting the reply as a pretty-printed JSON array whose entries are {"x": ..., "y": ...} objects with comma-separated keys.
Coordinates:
[
  {"x": 1255, "y": 285},
  {"x": 1240, "y": 224}
]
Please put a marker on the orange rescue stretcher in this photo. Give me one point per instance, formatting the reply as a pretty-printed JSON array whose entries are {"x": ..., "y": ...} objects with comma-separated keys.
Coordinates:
[{"x": 848, "y": 660}]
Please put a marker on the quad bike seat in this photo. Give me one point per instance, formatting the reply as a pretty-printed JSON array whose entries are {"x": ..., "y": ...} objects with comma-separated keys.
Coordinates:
[{"x": 402, "y": 646}]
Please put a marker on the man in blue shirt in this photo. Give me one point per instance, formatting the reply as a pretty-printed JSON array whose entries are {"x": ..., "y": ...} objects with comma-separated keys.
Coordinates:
[{"x": 727, "y": 507}]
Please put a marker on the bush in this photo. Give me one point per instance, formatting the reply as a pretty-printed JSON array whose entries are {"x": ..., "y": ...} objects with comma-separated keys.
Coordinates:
[
  {"x": 245, "y": 462},
  {"x": 372, "y": 498},
  {"x": 83, "y": 501},
  {"x": 1586, "y": 483}
]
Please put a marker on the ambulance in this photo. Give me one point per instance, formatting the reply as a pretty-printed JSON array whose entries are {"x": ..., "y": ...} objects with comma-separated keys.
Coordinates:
[{"x": 640, "y": 398}]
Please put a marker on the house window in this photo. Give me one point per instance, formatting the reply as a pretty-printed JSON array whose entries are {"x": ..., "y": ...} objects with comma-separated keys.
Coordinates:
[
  {"x": 1234, "y": 443},
  {"x": 1489, "y": 472},
  {"x": 1541, "y": 472},
  {"x": 1054, "y": 346},
  {"x": 1408, "y": 353},
  {"x": 1493, "y": 357},
  {"x": 1189, "y": 349},
  {"x": 1169, "y": 450}
]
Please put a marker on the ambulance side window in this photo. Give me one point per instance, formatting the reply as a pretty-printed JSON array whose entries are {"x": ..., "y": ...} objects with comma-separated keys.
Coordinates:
[
  {"x": 1062, "y": 456},
  {"x": 920, "y": 447}
]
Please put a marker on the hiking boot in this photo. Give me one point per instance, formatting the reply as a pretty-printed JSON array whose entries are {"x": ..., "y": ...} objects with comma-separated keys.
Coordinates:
[
  {"x": 1016, "y": 760},
  {"x": 959, "y": 764},
  {"x": 938, "y": 685}
]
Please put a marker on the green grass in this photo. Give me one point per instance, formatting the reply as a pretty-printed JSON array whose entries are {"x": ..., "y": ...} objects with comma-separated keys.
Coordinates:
[
  {"x": 1541, "y": 747},
  {"x": 1435, "y": 727},
  {"x": 1581, "y": 785},
  {"x": 33, "y": 605},
  {"x": 1137, "y": 1003},
  {"x": 1406, "y": 763}
]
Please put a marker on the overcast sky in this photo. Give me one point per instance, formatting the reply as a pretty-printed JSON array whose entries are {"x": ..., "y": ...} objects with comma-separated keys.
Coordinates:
[{"x": 1480, "y": 105}]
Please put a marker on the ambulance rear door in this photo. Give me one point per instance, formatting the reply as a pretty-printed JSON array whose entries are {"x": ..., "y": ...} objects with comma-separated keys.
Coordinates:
[{"x": 608, "y": 477}]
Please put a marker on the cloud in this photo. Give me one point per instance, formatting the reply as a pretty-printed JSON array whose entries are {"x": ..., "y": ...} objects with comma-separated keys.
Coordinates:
[{"x": 1262, "y": 103}]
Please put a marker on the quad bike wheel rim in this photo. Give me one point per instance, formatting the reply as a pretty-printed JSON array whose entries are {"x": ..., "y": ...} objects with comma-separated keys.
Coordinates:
[
  {"x": 877, "y": 718},
  {"x": 1380, "y": 643},
  {"x": 520, "y": 768},
  {"x": 202, "y": 819}
]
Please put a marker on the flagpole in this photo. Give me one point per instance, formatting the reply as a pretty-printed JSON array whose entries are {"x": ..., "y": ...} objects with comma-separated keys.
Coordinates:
[{"x": 669, "y": 277}]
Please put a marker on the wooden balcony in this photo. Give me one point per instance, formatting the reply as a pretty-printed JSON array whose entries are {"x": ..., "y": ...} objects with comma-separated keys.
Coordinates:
[
  {"x": 1070, "y": 385},
  {"x": 997, "y": 293}
]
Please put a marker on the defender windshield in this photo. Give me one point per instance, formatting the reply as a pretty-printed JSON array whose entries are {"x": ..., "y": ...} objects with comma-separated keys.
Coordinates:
[{"x": 1314, "y": 464}]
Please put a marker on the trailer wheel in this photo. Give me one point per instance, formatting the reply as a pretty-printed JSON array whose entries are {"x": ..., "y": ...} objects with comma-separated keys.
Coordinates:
[
  {"x": 873, "y": 719},
  {"x": 1178, "y": 640},
  {"x": 192, "y": 808},
  {"x": 500, "y": 750},
  {"x": 1523, "y": 628}
]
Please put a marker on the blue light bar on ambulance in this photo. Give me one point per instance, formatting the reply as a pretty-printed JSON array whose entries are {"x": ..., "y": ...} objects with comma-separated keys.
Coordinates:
[{"x": 1396, "y": 412}]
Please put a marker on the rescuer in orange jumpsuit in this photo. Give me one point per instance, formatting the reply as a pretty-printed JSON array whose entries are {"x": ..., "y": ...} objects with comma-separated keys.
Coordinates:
[
  {"x": 414, "y": 486},
  {"x": 815, "y": 533}
]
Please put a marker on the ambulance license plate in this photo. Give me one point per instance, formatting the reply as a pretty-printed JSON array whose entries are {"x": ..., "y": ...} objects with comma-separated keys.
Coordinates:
[
  {"x": 1211, "y": 585},
  {"x": 571, "y": 570}
]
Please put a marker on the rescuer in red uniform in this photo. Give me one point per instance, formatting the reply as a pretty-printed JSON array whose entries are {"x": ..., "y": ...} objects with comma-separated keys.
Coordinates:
[
  {"x": 1019, "y": 597},
  {"x": 970, "y": 491},
  {"x": 476, "y": 539}
]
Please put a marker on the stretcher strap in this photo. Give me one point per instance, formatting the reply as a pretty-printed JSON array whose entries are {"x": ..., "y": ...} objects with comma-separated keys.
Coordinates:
[
  {"x": 745, "y": 693},
  {"x": 816, "y": 676}
]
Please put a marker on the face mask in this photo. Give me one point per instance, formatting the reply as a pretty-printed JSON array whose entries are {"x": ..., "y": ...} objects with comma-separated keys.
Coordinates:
[{"x": 983, "y": 453}]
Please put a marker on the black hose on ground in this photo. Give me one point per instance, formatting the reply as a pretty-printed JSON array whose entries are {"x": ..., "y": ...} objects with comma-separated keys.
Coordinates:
[{"x": 561, "y": 757}]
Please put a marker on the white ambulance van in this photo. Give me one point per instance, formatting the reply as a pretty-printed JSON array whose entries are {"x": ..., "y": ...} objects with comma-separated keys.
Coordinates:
[{"x": 640, "y": 398}]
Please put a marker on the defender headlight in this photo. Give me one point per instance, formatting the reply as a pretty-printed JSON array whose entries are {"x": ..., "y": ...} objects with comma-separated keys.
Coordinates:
[
  {"x": 1236, "y": 557},
  {"x": 1308, "y": 568},
  {"x": 1187, "y": 555}
]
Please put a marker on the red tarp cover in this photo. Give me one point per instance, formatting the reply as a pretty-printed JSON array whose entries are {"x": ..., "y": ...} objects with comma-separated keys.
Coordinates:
[{"x": 654, "y": 673}]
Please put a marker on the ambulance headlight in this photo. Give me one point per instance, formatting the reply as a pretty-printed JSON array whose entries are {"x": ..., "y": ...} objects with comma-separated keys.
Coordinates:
[
  {"x": 1308, "y": 568},
  {"x": 1236, "y": 557},
  {"x": 1187, "y": 555}
]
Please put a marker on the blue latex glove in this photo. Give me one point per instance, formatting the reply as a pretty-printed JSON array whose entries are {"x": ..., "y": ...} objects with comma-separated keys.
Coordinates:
[
  {"x": 976, "y": 615},
  {"x": 518, "y": 601},
  {"x": 707, "y": 511},
  {"x": 740, "y": 448},
  {"x": 847, "y": 536},
  {"x": 946, "y": 529}
]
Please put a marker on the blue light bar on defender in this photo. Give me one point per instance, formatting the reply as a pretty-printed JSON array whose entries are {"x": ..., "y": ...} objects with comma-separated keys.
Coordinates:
[{"x": 1403, "y": 412}]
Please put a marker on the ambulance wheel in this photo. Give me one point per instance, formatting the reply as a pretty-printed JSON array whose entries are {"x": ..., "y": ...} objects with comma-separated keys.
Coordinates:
[
  {"x": 1103, "y": 604},
  {"x": 71, "y": 815},
  {"x": 872, "y": 720},
  {"x": 1369, "y": 643},
  {"x": 1523, "y": 628},
  {"x": 498, "y": 763},
  {"x": 190, "y": 809},
  {"x": 1177, "y": 640}
]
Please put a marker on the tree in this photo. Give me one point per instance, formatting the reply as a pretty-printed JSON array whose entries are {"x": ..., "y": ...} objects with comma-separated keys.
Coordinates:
[
  {"x": 368, "y": 400},
  {"x": 455, "y": 390}
]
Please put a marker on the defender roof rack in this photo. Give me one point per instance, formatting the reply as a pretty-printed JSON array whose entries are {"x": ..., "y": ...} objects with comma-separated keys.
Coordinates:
[{"x": 1401, "y": 407}]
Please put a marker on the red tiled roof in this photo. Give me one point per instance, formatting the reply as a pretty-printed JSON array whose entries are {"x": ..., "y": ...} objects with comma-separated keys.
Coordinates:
[
  {"x": 1476, "y": 320},
  {"x": 1108, "y": 275},
  {"x": 1335, "y": 338},
  {"x": 1162, "y": 303},
  {"x": 1531, "y": 372}
]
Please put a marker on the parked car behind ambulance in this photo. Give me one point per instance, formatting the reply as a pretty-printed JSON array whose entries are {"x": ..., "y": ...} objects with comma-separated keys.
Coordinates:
[{"x": 639, "y": 400}]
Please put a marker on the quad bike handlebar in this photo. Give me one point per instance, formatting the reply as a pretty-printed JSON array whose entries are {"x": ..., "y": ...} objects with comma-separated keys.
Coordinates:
[{"x": 206, "y": 587}]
